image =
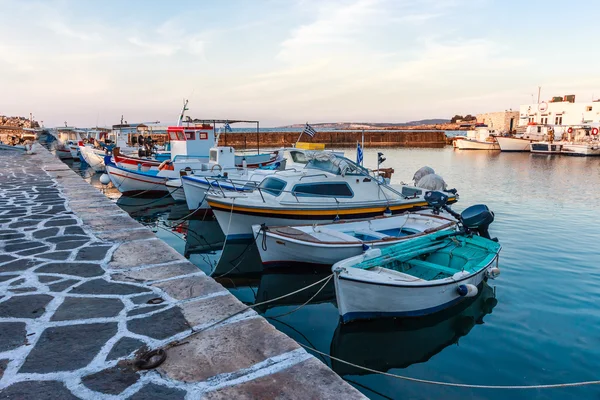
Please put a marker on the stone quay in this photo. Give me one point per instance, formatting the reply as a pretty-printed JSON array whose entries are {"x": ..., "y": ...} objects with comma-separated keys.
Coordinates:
[{"x": 85, "y": 291}]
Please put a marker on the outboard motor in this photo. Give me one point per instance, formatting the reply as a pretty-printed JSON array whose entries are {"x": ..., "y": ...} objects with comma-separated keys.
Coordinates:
[{"x": 478, "y": 218}]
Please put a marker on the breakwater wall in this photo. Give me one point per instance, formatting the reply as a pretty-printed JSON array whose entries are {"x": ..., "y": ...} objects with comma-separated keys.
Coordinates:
[
  {"x": 379, "y": 138},
  {"x": 86, "y": 291}
]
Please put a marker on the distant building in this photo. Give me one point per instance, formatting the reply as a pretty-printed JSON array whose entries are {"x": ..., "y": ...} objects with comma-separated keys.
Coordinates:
[
  {"x": 560, "y": 111},
  {"x": 503, "y": 121}
]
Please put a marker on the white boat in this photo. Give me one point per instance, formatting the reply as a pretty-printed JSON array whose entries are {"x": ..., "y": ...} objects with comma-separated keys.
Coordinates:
[
  {"x": 67, "y": 142},
  {"x": 521, "y": 142},
  {"x": 481, "y": 138},
  {"x": 242, "y": 180},
  {"x": 581, "y": 141},
  {"x": 326, "y": 244},
  {"x": 93, "y": 157},
  {"x": 329, "y": 188},
  {"x": 416, "y": 277},
  {"x": 176, "y": 189}
]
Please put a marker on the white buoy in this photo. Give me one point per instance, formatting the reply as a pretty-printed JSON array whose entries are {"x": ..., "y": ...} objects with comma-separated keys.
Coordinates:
[
  {"x": 104, "y": 179},
  {"x": 467, "y": 290},
  {"x": 493, "y": 272}
]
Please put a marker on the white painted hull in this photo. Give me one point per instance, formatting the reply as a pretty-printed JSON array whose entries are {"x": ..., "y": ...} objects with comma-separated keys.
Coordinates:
[
  {"x": 176, "y": 189},
  {"x": 583, "y": 149},
  {"x": 469, "y": 144},
  {"x": 359, "y": 297},
  {"x": 195, "y": 194},
  {"x": 334, "y": 242},
  {"x": 131, "y": 182},
  {"x": 514, "y": 144},
  {"x": 94, "y": 158}
]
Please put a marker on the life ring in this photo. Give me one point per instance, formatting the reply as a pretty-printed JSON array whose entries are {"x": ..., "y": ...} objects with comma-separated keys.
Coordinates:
[
  {"x": 595, "y": 131},
  {"x": 216, "y": 165},
  {"x": 570, "y": 130},
  {"x": 167, "y": 164}
]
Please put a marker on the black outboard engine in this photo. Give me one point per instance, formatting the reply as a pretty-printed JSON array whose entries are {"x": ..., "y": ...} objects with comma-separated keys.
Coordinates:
[
  {"x": 478, "y": 218},
  {"x": 438, "y": 201}
]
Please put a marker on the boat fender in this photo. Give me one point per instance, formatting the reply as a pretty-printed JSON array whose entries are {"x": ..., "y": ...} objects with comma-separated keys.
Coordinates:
[
  {"x": 494, "y": 272},
  {"x": 104, "y": 179},
  {"x": 595, "y": 131},
  {"x": 387, "y": 212},
  {"x": 467, "y": 290},
  {"x": 372, "y": 253},
  {"x": 365, "y": 247}
]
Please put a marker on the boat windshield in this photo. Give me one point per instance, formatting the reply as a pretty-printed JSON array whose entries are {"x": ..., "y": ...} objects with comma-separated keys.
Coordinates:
[
  {"x": 335, "y": 164},
  {"x": 272, "y": 186}
]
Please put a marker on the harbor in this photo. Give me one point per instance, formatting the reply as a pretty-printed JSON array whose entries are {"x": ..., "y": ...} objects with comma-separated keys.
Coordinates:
[
  {"x": 298, "y": 200},
  {"x": 300, "y": 301}
]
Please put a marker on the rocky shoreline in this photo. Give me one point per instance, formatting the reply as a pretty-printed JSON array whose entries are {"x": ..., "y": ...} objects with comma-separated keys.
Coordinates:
[{"x": 13, "y": 126}]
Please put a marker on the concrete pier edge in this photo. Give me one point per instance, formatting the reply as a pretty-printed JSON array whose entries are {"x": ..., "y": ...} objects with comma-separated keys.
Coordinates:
[{"x": 76, "y": 273}]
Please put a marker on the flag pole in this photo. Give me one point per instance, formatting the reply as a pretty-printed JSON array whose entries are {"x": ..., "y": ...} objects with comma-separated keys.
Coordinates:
[
  {"x": 297, "y": 140},
  {"x": 362, "y": 146}
]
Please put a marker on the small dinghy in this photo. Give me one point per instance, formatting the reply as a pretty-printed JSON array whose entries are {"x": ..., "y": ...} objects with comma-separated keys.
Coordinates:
[
  {"x": 326, "y": 244},
  {"x": 419, "y": 276}
]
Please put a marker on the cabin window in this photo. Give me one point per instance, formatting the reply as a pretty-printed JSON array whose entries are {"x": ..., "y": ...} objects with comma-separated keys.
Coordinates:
[
  {"x": 333, "y": 189},
  {"x": 180, "y": 135},
  {"x": 272, "y": 186},
  {"x": 213, "y": 155},
  {"x": 539, "y": 129},
  {"x": 172, "y": 135},
  {"x": 558, "y": 120},
  {"x": 190, "y": 135}
]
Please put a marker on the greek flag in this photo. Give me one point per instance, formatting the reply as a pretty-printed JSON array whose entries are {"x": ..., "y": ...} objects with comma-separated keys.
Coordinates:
[
  {"x": 227, "y": 127},
  {"x": 309, "y": 130},
  {"x": 359, "y": 154}
]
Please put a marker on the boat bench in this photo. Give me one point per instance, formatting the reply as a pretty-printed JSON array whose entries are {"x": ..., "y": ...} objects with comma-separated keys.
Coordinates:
[{"x": 426, "y": 264}]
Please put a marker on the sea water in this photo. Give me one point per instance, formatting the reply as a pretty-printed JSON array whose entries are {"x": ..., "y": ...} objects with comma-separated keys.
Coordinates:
[{"x": 542, "y": 325}]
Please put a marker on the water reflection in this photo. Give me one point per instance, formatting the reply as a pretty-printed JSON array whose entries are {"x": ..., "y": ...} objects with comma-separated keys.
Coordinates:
[{"x": 398, "y": 343}]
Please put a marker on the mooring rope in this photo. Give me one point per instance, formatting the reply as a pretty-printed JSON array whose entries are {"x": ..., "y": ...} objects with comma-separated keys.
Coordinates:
[
  {"x": 451, "y": 384},
  {"x": 195, "y": 332}
]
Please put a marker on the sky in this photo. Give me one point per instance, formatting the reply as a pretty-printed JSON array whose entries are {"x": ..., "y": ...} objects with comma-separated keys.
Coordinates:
[{"x": 88, "y": 62}]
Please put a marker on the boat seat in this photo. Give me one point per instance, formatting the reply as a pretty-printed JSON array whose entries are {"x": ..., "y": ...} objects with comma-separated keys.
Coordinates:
[
  {"x": 368, "y": 232},
  {"x": 426, "y": 264}
]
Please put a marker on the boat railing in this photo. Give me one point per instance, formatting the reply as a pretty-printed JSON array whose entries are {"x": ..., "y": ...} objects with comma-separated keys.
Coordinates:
[{"x": 312, "y": 176}]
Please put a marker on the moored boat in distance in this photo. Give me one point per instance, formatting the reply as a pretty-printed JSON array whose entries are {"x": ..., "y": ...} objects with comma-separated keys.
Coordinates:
[
  {"x": 481, "y": 138},
  {"x": 521, "y": 141}
]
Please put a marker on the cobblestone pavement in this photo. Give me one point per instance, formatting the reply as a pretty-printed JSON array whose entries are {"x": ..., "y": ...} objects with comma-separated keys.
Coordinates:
[{"x": 77, "y": 281}]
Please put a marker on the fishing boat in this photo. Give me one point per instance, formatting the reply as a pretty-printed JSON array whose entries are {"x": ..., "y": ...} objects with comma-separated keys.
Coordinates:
[
  {"x": 481, "y": 138},
  {"x": 581, "y": 141},
  {"x": 66, "y": 137},
  {"x": 243, "y": 180},
  {"x": 420, "y": 276},
  {"x": 385, "y": 344},
  {"x": 326, "y": 244},
  {"x": 521, "y": 142},
  {"x": 329, "y": 188},
  {"x": 11, "y": 147}
]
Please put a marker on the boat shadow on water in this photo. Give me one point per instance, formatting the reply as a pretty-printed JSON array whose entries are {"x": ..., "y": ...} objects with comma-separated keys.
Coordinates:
[{"x": 384, "y": 344}]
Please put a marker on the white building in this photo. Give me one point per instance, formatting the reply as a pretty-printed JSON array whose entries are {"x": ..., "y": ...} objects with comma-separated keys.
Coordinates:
[{"x": 560, "y": 111}]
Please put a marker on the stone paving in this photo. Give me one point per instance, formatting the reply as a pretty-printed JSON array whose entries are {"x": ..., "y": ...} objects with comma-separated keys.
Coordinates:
[{"x": 84, "y": 288}]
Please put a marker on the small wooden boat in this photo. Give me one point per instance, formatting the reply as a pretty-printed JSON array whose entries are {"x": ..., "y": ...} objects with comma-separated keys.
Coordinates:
[
  {"x": 419, "y": 276},
  {"x": 326, "y": 244},
  {"x": 12, "y": 148}
]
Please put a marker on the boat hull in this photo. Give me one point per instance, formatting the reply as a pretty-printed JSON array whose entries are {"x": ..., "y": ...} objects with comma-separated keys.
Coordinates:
[
  {"x": 236, "y": 221},
  {"x": 64, "y": 153},
  {"x": 92, "y": 157},
  {"x": 284, "y": 250},
  {"x": 176, "y": 189},
  {"x": 130, "y": 182},
  {"x": 362, "y": 299},
  {"x": 584, "y": 149},
  {"x": 469, "y": 144},
  {"x": 514, "y": 144},
  {"x": 545, "y": 148}
]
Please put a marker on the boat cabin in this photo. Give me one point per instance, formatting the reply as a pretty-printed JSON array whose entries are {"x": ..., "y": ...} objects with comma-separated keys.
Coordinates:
[{"x": 192, "y": 141}]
